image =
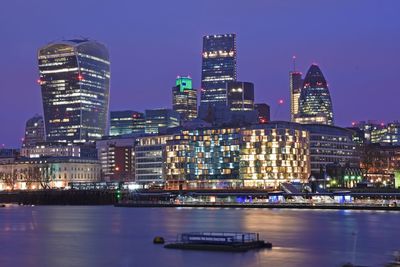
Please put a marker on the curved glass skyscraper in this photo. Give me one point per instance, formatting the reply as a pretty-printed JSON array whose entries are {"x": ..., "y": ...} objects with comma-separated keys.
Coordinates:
[
  {"x": 315, "y": 105},
  {"x": 75, "y": 82}
]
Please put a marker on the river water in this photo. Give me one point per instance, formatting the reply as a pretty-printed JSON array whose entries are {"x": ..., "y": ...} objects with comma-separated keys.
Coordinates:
[{"x": 109, "y": 236}]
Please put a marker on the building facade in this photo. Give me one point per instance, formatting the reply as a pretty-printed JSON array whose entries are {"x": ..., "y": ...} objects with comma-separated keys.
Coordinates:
[
  {"x": 381, "y": 163},
  {"x": 261, "y": 156},
  {"x": 263, "y": 111},
  {"x": 240, "y": 96},
  {"x": 34, "y": 131},
  {"x": 295, "y": 84},
  {"x": 150, "y": 160},
  {"x": 75, "y": 80},
  {"x": 127, "y": 122},
  {"x": 158, "y": 120},
  {"x": 331, "y": 145},
  {"x": 117, "y": 158},
  {"x": 47, "y": 149},
  {"x": 387, "y": 134},
  {"x": 46, "y": 173},
  {"x": 274, "y": 153},
  {"x": 315, "y": 105},
  {"x": 184, "y": 98},
  {"x": 218, "y": 68}
]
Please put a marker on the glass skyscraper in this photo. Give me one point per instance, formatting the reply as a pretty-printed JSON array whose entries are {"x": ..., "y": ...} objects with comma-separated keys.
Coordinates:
[
  {"x": 218, "y": 68},
  {"x": 184, "y": 98},
  {"x": 126, "y": 122},
  {"x": 315, "y": 105},
  {"x": 75, "y": 80},
  {"x": 158, "y": 120},
  {"x": 296, "y": 83},
  {"x": 240, "y": 96}
]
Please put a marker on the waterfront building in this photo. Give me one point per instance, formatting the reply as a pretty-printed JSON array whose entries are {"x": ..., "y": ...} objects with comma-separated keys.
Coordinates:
[
  {"x": 218, "y": 68},
  {"x": 117, "y": 158},
  {"x": 47, "y": 149},
  {"x": 380, "y": 163},
  {"x": 339, "y": 175},
  {"x": 263, "y": 112},
  {"x": 127, "y": 122},
  {"x": 261, "y": 156},
  {"x": 34, "y": 131},
  {"x": 331, "y": 145},
  {"x": 240, "y": 96},
  {"x": 46, "y": 173},
  {"x": 158, "y": 120},
  {"x": 150, "y": 160},
  {"x": 204, "y": 158},
  {"x": 274, "y": 153},
  {"x": 75, "y": 79},
  {"x": 315, "y": 105},
  {"x": 184, "y": 98},
  {"x": 295, "y": 84}
]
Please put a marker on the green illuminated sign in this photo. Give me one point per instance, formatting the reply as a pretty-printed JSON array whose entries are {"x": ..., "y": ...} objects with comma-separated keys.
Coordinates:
[
  {"x": 346, "y": 177},
  {"x": 184, "y": 83}
]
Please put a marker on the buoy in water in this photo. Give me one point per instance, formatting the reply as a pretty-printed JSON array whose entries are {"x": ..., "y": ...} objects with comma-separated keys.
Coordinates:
[{"x": 158, "y": 240}]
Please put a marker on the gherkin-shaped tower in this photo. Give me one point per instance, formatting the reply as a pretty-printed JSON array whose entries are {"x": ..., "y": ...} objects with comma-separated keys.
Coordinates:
[{"x": 315, "y": 105}]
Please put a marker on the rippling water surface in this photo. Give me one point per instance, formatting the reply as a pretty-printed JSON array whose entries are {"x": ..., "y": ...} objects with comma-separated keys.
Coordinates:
[{"x": 108, "y": 236}]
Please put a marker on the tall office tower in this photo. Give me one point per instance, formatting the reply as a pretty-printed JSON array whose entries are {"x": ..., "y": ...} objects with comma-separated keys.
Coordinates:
[
  {"x": 240, "y": 96},
  {"x": 263, "y": 111},
  {"x": 315, "y": 100},
  {"x": 295, "y": 84},
  {"x": 184, "y": 98},
  {"x": 34, "y": 131},
  {"x": 75, "y": 82},
  {"x": 158, "y": 120},
  {"x": 126, "y": 122},
  {"x": 218, "y": 67}
]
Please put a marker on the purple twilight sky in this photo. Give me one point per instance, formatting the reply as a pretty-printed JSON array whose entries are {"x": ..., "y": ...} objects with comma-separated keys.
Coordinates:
[{"x": 356, "y": 44}]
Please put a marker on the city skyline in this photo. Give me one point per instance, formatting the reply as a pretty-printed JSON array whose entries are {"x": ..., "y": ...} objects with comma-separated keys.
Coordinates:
[{"x": 365, "y": 60}]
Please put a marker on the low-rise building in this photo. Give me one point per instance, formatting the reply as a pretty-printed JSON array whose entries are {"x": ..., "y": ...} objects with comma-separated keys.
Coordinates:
[
  {"x": 45, "y": 173},
  {"x": 331, "y": 145},
  {"x": 117, "y": 158},
  {"x": 48, "y": 149},
  {"x": 380, "y": 163}
]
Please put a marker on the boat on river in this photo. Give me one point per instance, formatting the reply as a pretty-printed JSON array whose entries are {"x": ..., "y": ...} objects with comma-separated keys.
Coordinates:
[{"x": 219, "y": 241}]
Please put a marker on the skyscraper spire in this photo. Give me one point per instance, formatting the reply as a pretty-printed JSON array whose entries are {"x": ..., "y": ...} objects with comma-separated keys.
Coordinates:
[{"x": 294, "y": 63}]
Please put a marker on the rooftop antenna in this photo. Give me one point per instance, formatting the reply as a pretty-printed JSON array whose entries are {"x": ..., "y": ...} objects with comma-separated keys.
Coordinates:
[{"x": 294, "y": 63}]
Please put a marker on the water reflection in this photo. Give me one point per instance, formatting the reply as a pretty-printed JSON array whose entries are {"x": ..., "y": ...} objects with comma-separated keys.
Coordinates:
[{"x": 108, "y": 236}]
